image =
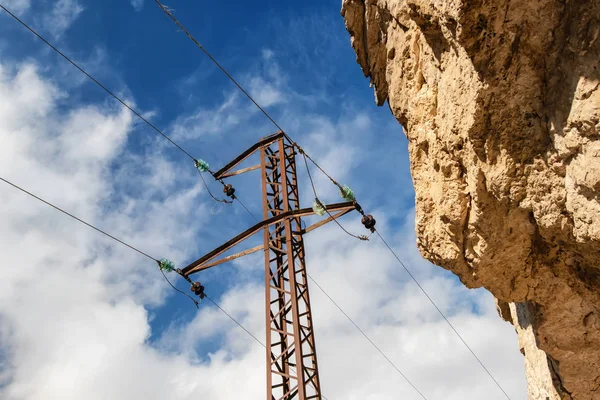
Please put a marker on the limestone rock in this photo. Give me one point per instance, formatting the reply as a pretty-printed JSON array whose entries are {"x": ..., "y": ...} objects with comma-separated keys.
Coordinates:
[{"x": 500, "y": 101}]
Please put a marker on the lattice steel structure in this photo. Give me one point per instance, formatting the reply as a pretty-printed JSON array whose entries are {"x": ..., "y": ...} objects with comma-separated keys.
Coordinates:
[
  {"x": 292, "y": 367},
  {"x": 291, "y": 339}
]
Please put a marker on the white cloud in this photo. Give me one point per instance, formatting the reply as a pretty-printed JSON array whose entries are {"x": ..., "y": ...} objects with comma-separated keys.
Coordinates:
[
  {"x": 214, "y": 121},
  {"x": 264, "y": 93},
  {"x": 267, "y": 54},
  {"x": 71, "y": 302},
  {"x": 17, "y": 6},
  {"x": 76, "y": 309},
  {"x": 268, "y": 87},
  {"x": 61, "y": 16},
  {"x": 137, "y": 5}
]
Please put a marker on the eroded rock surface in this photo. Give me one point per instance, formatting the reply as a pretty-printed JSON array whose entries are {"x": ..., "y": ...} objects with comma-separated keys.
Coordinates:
[{"x": 500, "y": 101}]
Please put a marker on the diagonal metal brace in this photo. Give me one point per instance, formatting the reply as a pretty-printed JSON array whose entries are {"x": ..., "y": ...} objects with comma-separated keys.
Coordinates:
[{"x": 204, "y": 262}]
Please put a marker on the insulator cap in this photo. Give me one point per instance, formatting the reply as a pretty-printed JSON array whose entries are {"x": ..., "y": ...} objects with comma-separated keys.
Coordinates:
[
  {"x": 166, "y": 265},
  {"x": 346, "y": 193},
  {"x": 198, "y": 289},
  {"x": 228, "y": 190},
  {"x": 369, "y": 222},
  {"x": 318, "y": 208}
]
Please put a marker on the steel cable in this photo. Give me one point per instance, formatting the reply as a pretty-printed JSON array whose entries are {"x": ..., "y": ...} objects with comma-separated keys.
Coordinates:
[
  {"x": 442, "y": 314},
  {"x": 366, "y": 336},
  {"x": 111, "y": 93}
]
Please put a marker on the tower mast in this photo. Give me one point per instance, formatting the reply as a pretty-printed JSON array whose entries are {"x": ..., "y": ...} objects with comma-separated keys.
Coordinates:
[{"x": 291, "y": 356}]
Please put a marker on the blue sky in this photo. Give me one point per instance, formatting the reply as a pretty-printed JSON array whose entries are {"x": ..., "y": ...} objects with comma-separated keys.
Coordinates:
[{"x": 100, "y": 161}]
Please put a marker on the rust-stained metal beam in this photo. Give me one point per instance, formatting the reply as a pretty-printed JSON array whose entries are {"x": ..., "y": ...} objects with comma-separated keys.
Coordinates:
[
  {"x": 263, "y": 142},
  {"x": 240, "y": 171},
  {"x": 193, "y": 267},
  {"x": 290, "y": 339},
  {"x": 230, "y": 258},
  {"x": 327, "y": 220}
]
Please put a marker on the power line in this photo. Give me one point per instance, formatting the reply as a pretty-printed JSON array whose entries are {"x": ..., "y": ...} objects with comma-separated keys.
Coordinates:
[
  {"x": 189, "y": 35},
  {"x": 246, "y": 208},
  {"x": 366, "y": 336},
  {"x": 325, "y": 208},
  {"x": 411, "y": 275},
  {"x": 209, "y": 192},
  {"x": 330, "y": 298},
  {"x": 135, "y": 249},
  {"x": 235, "y": 320},
  {"x": 112, "y": 94},
  {"x": 180, "y": 291},
  {"x": 442, "y": 314},
  {"x": 138, "y": 114},
  {"x": 239, "y": 86},
  {"x": 77, "y": 219},
  {"x": 407, "y": 270},
  {"x": 98, "y": 230},
  {"x": 132, "y": 248}
]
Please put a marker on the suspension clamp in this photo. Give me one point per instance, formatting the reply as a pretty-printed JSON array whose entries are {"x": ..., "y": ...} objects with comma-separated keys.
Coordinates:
[
  {"x": 187, "y": 278},
  {"x": 358, "y": 208},
  {"x": 229, "y": 190},
  {"x": 369, "y": 222},
  {"x": 198, "y": 290}
]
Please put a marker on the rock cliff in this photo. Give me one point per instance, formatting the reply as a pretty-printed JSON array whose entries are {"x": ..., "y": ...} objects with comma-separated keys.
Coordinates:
[{"x": 500, "y": 101}]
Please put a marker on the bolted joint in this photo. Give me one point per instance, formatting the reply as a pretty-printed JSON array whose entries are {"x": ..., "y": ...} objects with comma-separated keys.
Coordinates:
[
  {"x": 229, "y": 190},
  {"x": 184, "y": 276},
  {"x": 369, "y": 222},
  {"x": 198, "y": 289},
  {"x": 358, "y": 207}
]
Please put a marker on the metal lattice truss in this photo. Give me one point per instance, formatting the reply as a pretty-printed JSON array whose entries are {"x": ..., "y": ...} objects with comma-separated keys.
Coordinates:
[{"x": 292, "y": 368}]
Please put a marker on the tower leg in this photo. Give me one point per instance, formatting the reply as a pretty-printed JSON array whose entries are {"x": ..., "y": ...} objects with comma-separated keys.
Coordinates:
[{"x": 292, "y": 369}]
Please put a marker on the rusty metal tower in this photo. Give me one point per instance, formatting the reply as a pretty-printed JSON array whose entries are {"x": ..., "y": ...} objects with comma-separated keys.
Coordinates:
[{"x": 292, "y": 367}]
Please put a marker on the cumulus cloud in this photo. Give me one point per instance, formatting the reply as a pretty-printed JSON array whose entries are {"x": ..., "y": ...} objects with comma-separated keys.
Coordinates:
[
  {"x": 76, "y": 310},
  {"x": 86, "y": 295}
]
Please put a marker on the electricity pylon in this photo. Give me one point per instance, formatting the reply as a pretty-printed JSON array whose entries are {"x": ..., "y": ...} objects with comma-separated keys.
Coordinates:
[{"x": 292, "y": 368}]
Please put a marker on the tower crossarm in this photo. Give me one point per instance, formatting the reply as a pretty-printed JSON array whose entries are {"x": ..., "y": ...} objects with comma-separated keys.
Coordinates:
[
  {"x": 336, "y": 210},
  {"x": 266, "y": 141}
]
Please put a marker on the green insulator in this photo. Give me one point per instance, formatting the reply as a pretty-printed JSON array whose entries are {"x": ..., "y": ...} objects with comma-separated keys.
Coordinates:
[
  {"x": 166, "y": 265},
  {"x": 347, "y": 194},
  {"x": 318, "y": 208},
  {"x": 202, "y": 165}
]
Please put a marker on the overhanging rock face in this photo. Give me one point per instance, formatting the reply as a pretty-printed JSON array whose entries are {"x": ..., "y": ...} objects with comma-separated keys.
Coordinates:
[{"x": 501, "y": 105}]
